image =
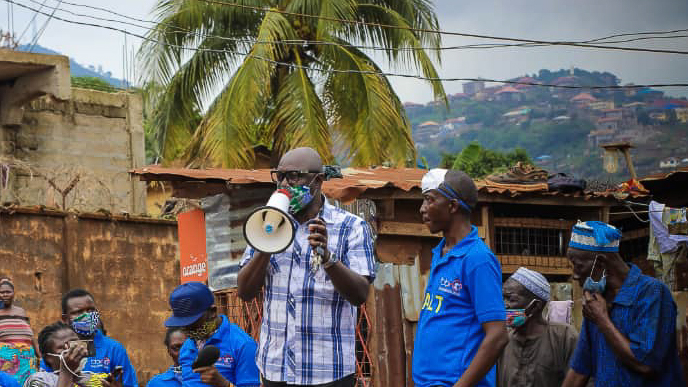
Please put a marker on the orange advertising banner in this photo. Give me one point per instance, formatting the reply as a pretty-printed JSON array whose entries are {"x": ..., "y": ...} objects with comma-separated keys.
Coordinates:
[{"x": 193, "y": 258}]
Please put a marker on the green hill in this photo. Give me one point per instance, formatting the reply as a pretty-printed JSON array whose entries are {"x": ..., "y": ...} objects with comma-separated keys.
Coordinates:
[{"x": 561, "y": 129}]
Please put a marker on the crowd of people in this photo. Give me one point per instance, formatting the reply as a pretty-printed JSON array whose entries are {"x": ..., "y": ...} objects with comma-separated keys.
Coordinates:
[{"x": 473, "y": 330}]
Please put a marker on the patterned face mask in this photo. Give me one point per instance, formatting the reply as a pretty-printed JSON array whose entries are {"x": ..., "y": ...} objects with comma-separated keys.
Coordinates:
[
  {"x": 204, "y": 331},
  {"x": 301, "y": 196},
  {"x": 517, "y": 317},
  {"x": 86, "y": 324}
]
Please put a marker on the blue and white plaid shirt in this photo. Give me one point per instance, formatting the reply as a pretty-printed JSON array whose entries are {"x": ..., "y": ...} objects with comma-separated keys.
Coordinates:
[{"x": 308, "y": 333}]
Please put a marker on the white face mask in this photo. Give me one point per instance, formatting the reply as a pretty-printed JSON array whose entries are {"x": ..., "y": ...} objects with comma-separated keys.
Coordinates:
[{"x": 75, "y": 372}]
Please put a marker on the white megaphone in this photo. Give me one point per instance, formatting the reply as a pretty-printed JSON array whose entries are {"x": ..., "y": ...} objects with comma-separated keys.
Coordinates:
[{"x": 269, "y": 229}]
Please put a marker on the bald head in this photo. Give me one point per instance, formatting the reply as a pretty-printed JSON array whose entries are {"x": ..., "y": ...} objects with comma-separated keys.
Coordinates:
[
  {"x": 301, "y": 159},
  {"x": 462, "y": 184}
]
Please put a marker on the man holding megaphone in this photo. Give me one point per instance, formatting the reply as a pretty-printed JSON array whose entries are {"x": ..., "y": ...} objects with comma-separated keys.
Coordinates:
[{"x": 315, "y": 264}]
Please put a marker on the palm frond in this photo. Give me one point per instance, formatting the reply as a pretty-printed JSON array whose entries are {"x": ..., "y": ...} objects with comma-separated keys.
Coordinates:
[
  {"x": 365, "y": 111},
  {"x": 299, "y": 114},
  {"x": 395, "y": 39},
  {"x": 224, "y": 136}
]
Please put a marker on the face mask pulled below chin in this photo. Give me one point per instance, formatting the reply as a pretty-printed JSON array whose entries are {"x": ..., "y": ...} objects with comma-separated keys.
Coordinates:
[
  {"x": 593, "y": 286},
  {"x": 86, "y": 324},
  {"x": 76, "y": 372}
]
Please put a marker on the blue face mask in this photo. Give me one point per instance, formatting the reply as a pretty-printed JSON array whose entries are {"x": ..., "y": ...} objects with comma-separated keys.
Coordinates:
[{"x": 593, "y": 286}]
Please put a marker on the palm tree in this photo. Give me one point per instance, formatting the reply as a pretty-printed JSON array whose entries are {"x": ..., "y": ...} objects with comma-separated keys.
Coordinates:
[{"x": 294, "y": 76}]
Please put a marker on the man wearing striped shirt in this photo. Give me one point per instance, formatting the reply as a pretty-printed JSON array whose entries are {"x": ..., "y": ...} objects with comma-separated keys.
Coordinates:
[{"x": 307, "y": 336}]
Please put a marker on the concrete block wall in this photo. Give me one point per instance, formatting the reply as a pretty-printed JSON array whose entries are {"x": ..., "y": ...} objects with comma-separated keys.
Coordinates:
[{"x": 95, "y": 135}]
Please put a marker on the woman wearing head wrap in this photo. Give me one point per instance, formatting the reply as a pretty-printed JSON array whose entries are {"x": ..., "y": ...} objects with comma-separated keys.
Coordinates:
[
  {"x": 18, "y": 348},
  {"x": 538, "y": 352}
]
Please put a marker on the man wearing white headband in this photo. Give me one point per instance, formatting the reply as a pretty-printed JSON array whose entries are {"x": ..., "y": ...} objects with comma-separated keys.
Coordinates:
[
  {"x": 628, "y": 336},
  {"x": 538, "y": 352},
  {"x": 461, "y": 329}
]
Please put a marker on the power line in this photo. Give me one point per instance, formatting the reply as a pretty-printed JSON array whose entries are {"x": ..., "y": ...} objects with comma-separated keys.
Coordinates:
[
  {"x": 45, "y": 25},
  {"x": 440, "y": 32},
  {"x": 389, "y": 74},
  {"x": 31, "y": 21},
  {"x": 472, "y": 46},
  {"x": 375, "y": 48}
]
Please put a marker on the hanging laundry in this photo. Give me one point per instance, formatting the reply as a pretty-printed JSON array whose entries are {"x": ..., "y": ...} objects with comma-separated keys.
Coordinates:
[
  {"x": 677, "y": 221},
  {"x": 560, "y": 312},
  {"x": 663, "y": 249}
]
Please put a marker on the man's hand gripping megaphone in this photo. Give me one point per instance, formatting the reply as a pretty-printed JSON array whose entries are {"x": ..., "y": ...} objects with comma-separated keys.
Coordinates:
[{"x": 318, "y": 242}]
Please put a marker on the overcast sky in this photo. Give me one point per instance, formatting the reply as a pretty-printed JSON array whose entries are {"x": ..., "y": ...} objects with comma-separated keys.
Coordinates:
[{"x": 532, "y": 19}]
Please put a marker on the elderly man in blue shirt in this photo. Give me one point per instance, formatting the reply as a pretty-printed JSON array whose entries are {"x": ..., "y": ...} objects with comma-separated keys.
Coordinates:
[
  {"x": 194, "y": 310},
  {"x": 461, "y": 329},
  {"x": 629, "y": 332}
]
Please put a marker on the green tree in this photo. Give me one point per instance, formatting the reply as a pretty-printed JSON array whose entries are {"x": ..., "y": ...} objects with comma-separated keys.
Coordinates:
[
  {"x": 479, "y": 162},
  {"x": 284, "y": 92},
  {"x": 93, "y": 83}
]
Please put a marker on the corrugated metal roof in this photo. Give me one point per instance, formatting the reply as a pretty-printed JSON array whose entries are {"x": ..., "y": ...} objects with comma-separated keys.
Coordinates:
[
  {"x": 662, "y": 176},
  {"x": 354, "y": 183}
]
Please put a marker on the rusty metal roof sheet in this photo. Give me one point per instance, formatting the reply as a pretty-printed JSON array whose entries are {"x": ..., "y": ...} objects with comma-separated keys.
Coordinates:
[{"x": 354, "y": 183}]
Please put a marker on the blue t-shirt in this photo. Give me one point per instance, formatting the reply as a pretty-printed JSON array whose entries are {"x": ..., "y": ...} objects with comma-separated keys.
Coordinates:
[
  {"x": 166, "y": 379},
  {"x": 645, "y": 313},
  {"x": 7, "y": 381},
  {"x": 464, "y": 290},
  {"x": 109, "y": 354},
  {"x": 237, "y": 362}
]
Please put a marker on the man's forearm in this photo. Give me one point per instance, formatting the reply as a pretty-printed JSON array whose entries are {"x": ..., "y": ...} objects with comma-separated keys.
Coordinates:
[
  {"x": 252, "y": 276},
  {"x": 574, "y": 379},
  {"x": 494, "y": 342},
  {"x": 621, "y": 346},
  {"x": 352, "y": 286}
]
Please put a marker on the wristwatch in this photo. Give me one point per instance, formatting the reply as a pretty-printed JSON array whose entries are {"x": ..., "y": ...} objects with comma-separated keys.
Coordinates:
[{"x": 330, "y": 262}]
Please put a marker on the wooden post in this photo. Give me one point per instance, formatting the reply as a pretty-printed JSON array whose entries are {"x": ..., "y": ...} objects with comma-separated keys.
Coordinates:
[
  {"x": 631, "y": 168},
  {"x": 577, "y": 305}
]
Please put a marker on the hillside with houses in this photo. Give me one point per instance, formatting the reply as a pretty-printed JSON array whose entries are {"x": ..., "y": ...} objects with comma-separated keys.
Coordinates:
[{"x": 561, "y": 128}]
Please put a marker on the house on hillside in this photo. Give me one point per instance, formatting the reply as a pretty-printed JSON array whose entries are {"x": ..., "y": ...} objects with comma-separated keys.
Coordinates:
[
  {"x": 634, "y": 105},
  {"x": 517, "y": 116},
  {"x": 471, "y": 88},
  {"x": 509, "y": 94},
  {"x": 486, "y": 94},
  {"x": 671, "y": 162},
  {"x": 523, "y": 80},
  {"x": 610, "y": 123},
  {"x": 426, "y": 131},
  {"x": 611, "y": 113},
  {"x": 457, "y": 96},
  {"x": 600, "y": 136},
  {"x": 412, "y": 106},
  {"x": 602, "y": 105},
  {"x": 582, "y": 100},
  {"x": 682, "y": 114},
  {"x": 649, "y": 95},
  {"x": 454, "y": 124}
]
